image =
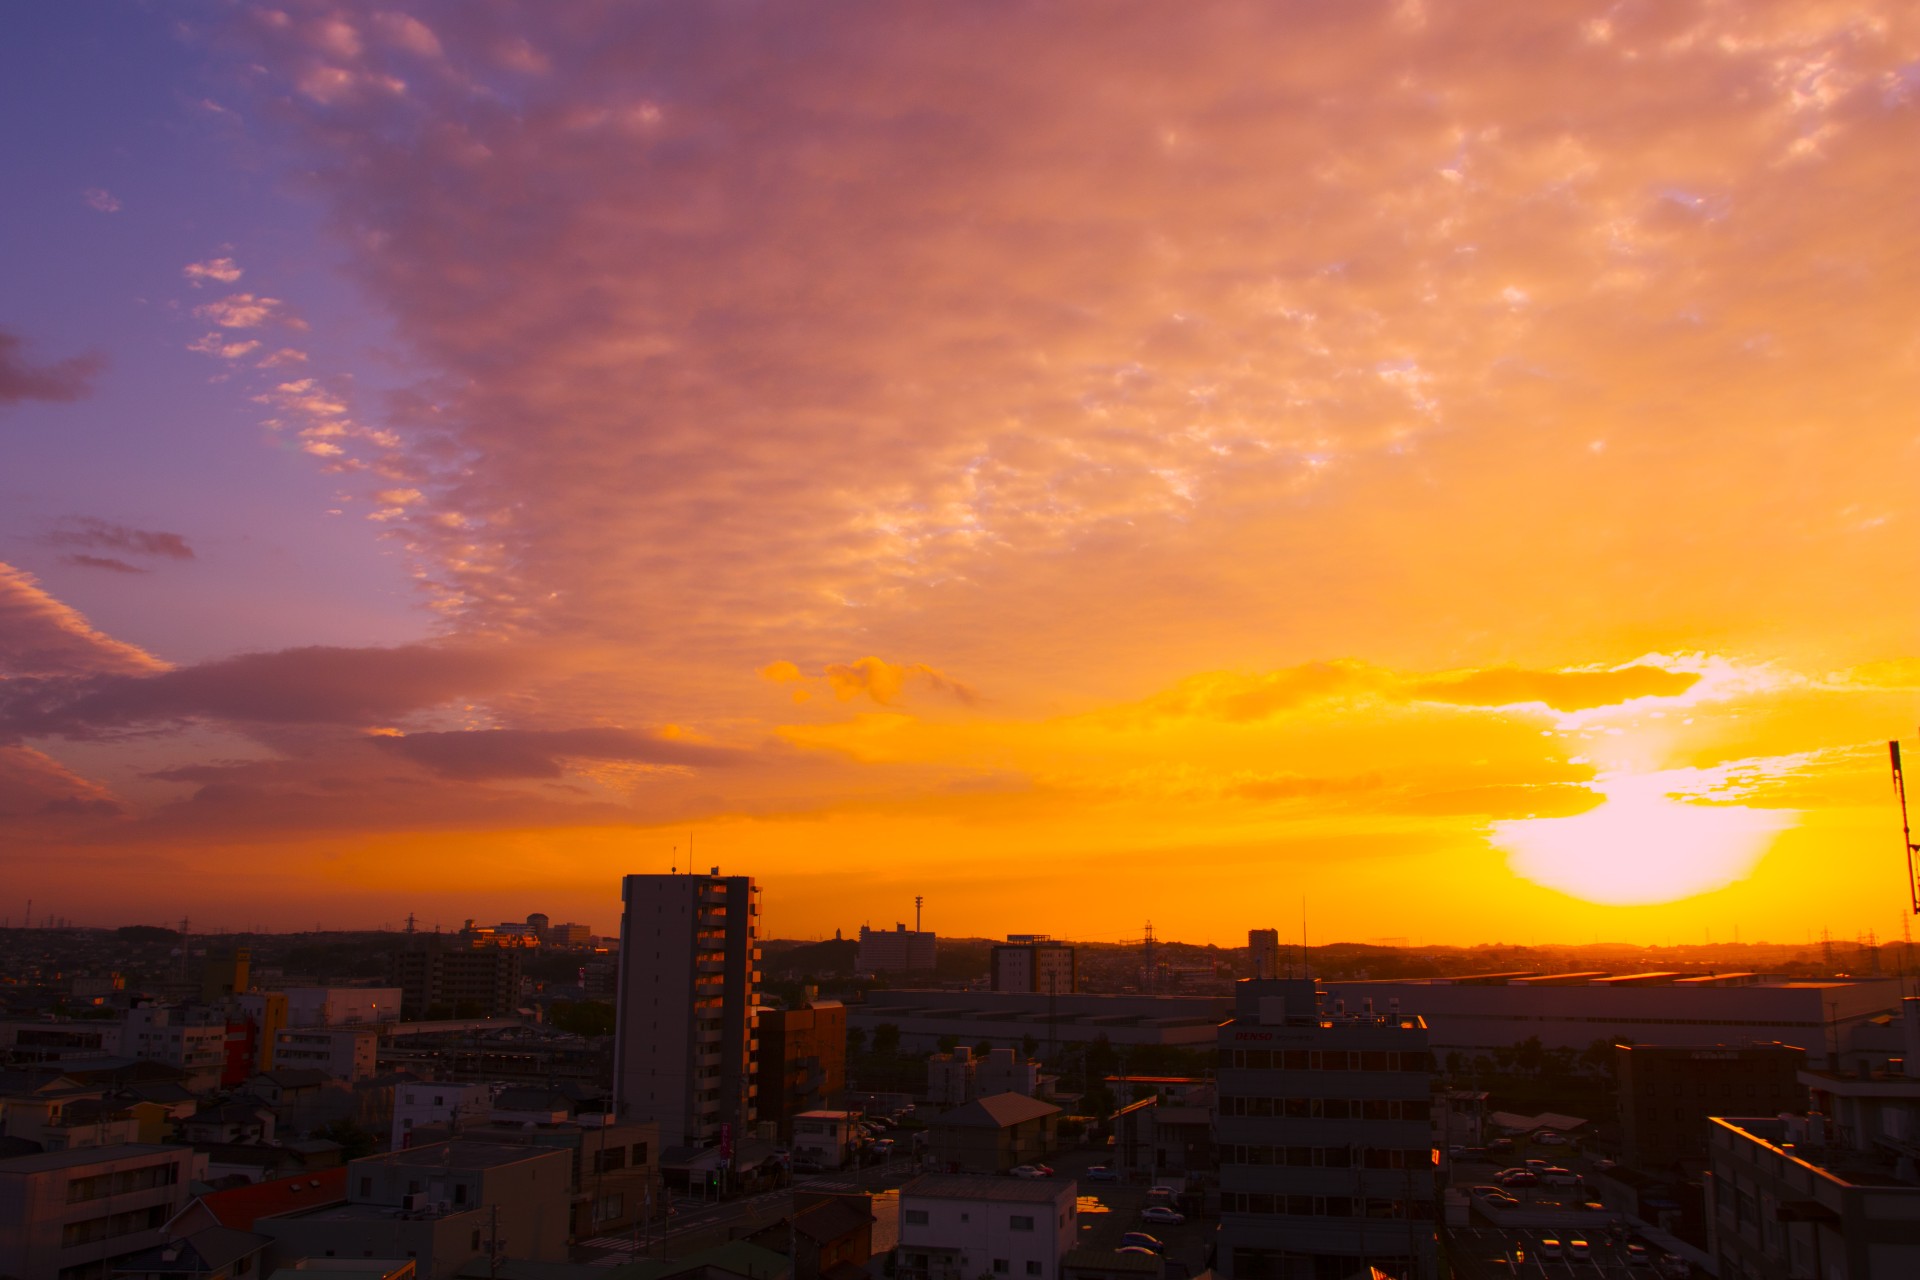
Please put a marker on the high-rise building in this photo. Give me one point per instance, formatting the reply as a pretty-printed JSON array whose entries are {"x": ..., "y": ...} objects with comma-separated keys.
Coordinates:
[
  {"x": 1033, "y": 962},
  {"x": 1324, "y": 1137},
  {"x": 903, "y": 950},
  {"x": 1264, "y": 947},
  {"x": 1667, "y": 1092},
  {"x": 683, "y": 1041},
  {"x": 444, "y": 977}
]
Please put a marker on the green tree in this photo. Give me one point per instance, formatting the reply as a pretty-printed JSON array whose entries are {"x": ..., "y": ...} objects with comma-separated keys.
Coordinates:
[
  {"x": 886, "y": 1040},
  {"x": 949, "y": 1043},
  {"x": 582, "y": 1017},
  {"x": 354, "y": 1141}
]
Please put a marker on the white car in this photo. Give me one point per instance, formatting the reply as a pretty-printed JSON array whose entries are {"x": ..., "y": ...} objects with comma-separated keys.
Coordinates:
[
  {"x": 1161, "y": 1214},
  {"x": 1026, "y": 1171},
  {"x": 1550, "y": 1139}
]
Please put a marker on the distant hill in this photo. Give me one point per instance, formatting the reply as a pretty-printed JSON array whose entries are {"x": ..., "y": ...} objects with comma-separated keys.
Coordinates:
[{"x": 818, "y": 959}]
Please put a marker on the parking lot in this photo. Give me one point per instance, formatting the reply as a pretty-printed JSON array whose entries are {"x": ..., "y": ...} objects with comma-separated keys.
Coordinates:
[{"x": 1483, "y": 1253}]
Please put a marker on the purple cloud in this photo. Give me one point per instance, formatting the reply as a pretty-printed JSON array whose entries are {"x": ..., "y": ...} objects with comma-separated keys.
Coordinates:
[
  {"x": 68, "y": 379},
  {"x": 541, "y": 753},
  {"x": 102, "y": 535}
]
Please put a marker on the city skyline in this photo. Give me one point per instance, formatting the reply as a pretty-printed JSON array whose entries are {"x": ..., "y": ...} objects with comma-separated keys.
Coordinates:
[{"x": 1451, "y": 468}]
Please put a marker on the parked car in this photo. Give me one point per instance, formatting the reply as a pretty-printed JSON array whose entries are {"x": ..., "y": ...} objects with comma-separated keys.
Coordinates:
[
  {"x": 1162, "y": 1214},
  {"x": 1550, "y": 1139},
  {"x": 1519, "y": 1178},
  {"x": 1578, "y": 1250},
  {"x": 1101, "y": 1173},
  {"x": 1140, "y": 1239},
  {"x": 1162, "y": 1191},
  {"x": 1604, "y": 1165},
  {"x": 1137, "y": 1251},
  {"x": 1501, "y": 1198},
  {"x": 1637, "y": 1256},
  {"x": 1483, "y": 1191},
  {"x": 1549, "y": 1248},
  {"x": 1026, "y": 1171},
  {"x": 1538, "y": 1166},
  {"x": 1500, "y": 1144}
]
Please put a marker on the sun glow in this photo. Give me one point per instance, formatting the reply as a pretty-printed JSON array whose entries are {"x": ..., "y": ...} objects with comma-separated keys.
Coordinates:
[{"x": 1641, "y": 845}]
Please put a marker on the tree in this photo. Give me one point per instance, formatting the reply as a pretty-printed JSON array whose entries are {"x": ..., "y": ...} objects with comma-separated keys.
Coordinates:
[
  {"x": 948, "y": 1043},
  {"x": 354, "y": 1141},
  {"x": 582, "y": 1017},
  {"x": 1029, "y": 1046},
  {"x": 856, "y": 1041},
  {"x": 886, "y": 1040}
]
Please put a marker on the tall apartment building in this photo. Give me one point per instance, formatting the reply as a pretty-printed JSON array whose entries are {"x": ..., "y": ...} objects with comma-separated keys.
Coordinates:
[
  {"x": 802, "y": 1062},
  {"x": 684, "y": 1049},
  {"x": 1324, "y": 1137},
  {"x": 1263, "y": 946},
  {"x": 1033, "y": 962},
  {"x": 443, "y": 977},
  {"x": 903, "y": 950}
]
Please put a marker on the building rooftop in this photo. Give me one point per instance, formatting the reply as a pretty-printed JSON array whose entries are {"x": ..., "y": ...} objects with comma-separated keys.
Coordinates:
[
  {"x": 241, "y": 1207},
  {"x": 79, "y": 1157},
  {"x": 1879, "y": 1168},
  {"x": 1001, "y": 1111},
  {"x": 963, "y": 1186}
]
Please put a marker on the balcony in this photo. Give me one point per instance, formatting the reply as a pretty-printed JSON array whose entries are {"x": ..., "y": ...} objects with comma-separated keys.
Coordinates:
[
  {"x": 710, "y": 918},
  {"x": 704, "y": 965},
  {"x": 704, "y": 1060},
  {"x": 714, "y": 1036},
  {"x": 713, "y": 894}
]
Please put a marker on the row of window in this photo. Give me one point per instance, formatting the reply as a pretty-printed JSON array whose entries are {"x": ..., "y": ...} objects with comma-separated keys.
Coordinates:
[
  {"x": 112, "y": 1225},
  {"x": 1323, "y": 1206},
  {"x": 1328, "y": 1108},
  {"x": 1331, "y": 1157},
  {"x": 1328, "y": 1060},
  {"x": 123, "y": 1182}
]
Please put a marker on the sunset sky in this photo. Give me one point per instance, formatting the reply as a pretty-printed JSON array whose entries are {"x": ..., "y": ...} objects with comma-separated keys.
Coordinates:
[{"x": 1455, "y": 464}]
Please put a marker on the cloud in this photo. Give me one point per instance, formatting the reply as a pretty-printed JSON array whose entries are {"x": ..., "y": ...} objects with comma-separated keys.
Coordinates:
[
  {"x": 217, "y": 270},
  {"x": 884, "y": 681},
  {"x": 68, "y": 379},
  {"x": 239, "y": 311},
  {"x": 316, "y": 685},
  {"x": 1561, "y": 690},
  {"x": 535, "y": 753},
  {"x": 42, "y": 637},
  {"x": 104, "y": 535},
  {"x": 102, "y": 562},
  {"x": 35, "y": 785},
  {"x": 213, "y": 344},
  {"x": 100, "y": 199}
]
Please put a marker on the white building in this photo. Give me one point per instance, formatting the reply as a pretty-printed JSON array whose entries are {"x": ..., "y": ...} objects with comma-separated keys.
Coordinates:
[
  {"x": 683, "y": 1039},
  {"x": 341, "y": 1006},
  {"x": 1033, "y": 962},
  {"x": 425, "y": 1104},
  {"x": 1006, "y": 1071},
  {"x": 954, "y": 1227},
  {"x": 345, "y": 1053},
  {"x": 950, "y": 1077},
  {"x": 162, "y": 1034}
]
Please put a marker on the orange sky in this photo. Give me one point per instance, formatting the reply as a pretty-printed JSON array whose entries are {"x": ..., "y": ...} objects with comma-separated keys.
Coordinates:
[{"x": 1449, "y": 463}]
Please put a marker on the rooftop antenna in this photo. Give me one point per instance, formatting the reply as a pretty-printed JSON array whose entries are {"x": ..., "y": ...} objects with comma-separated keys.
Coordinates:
[
  {"x": 917, "y": 900},
  {"x": 1306, "y": 960},
  {"x": 1906, "y": 831}
]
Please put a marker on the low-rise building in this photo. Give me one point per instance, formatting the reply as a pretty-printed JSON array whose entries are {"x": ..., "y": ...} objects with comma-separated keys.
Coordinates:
[
  {"x": 195, "y": 1041},
  {"x": 826, "y": 1234},
  {"x": 447, "y": 1205},
  {"x": 802, "y": 1061},
  {"x": 950, "y": 1077},
  {"x": 902, "y": 950},
  {"x": 1006, "y": 1071},
  {"x": 341, "y": 1006},
  {"x": 71, "y": 1215},
  {"x": 438, "y": 1104},
  {"x": 824, "y": 1136},
  {"x": 962, "y": 1228},
  {"x": 924, "y": 1018},
  {"x": 1034, "y": 962},
  {"x": 993, "y": 1135}
]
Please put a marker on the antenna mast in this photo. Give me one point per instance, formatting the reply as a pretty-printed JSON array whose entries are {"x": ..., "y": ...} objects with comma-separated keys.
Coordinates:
[{"x": 1906, "y": 831}]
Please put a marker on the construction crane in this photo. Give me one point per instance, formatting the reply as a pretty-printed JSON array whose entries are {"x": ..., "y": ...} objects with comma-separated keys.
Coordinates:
[{"x": 1906, "y": 830}]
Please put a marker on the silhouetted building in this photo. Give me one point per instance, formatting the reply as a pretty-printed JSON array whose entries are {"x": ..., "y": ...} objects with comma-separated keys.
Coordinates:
[
  {"x": 1667, "y": 1092},
  {"x": 1033, "y": 962},
  {"x": 442, "y": 977},
  {"x": 1263, "y": 947},
  {"x": 902, "y": 951},
  {"x": 1324, "y": 1139},
  {"x": 803, "y": 1060},
  {"x": 683, "y": 1037}
]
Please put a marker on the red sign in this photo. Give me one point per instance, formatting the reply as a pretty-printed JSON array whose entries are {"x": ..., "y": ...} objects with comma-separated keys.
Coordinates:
[{"x": 726, "y": 1142}]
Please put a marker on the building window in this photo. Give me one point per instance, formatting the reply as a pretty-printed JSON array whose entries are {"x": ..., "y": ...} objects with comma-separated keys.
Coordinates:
[
  {"x": 1001, "y": 1266},
  {"x": 366, "y": 1188},
  {"x": 1033, "y": 1268},
  {"x": 915, "y": 1217},
  {"x": 1020, "y": 1222}
]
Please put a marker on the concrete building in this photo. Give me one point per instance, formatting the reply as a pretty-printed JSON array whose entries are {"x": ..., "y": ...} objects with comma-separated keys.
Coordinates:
[
  {"x": 1263, "y": 948},
  {"x": 1324, "y": 1139},
  {"x": 1667, "y": 1092},
  {"x": 345, "y": 1053},
  {"x": 342, "y": 1006},
  {"x": 1006, "y": 1071},
  {"x": 448, "y": 1206},
  {"x": 195, "y": 1041},
  {"x": 1008, "y": 1018},
  {"x": 684, "y": 1051},
  {"x": 1476, "y": 1014},
  {"x": 71, "y": 1215},
  {"x": 826, "y": 1235},
  {"x": 903, "y": 950},
  {"x": 444, "y": 977},
  {"x": 803, "y": 1060},
  {"x": 950, "y": 1077},
  {"x": 824, "y": 1136},
  {"x": 225, "y": 973},
  {"x": 993, "y": 1135},
  {"x": 267, "y": 1011},
  {"x": 32, "y": 1040},
  {"x": 1034, "y": 962},
  {"x": 438, "y": 1105},
  {"x": 961, "y": 1228}
]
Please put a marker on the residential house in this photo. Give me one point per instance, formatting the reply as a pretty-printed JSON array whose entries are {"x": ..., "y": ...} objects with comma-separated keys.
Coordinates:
[
  {"x": 993, "y": 1135},
  {"x": 954, "y": 1227}
]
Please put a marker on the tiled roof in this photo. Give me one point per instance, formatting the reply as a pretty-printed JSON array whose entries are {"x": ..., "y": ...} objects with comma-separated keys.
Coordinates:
[{"x": 1001, "y": 1111}]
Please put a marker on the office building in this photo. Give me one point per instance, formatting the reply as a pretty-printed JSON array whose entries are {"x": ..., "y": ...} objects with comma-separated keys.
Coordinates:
[
  {"x": 802, "y": 1060},
  {"x": 1667, "y": 1092},
  {"x": 1473, "y": 1015},
  {"x": 954, "y": 1227},
  {"x": 1263, "y": 949},
  {"x": 438, "y": 1104},
  {"x": 1033, "y": 962},
  {"x": 345, "y": 1053},
  {"x": 1324, "y": 1139},
  {"x": 443, "y": 977},
  {"x": 903, "y": 950},
  {"x": 924, "y": 1018},
  {"x": 342, "y": 1006},
  {"x": 683, "y": 1039}
]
